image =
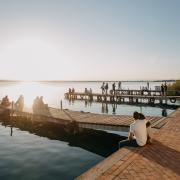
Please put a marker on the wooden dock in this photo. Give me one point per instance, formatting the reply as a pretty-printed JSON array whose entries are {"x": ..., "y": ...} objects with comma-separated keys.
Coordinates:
[
  {"x": 86, "y": 119},
  {"x": 160, "y": 160},
  {"x": 129, "y": 96}
]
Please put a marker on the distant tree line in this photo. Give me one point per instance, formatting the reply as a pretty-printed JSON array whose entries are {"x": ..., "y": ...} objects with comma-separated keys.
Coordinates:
[{"x": 174, "y": 87}]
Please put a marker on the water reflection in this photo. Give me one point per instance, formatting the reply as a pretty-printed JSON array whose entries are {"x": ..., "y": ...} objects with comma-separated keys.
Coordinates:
[
  {"x": 98, "y": 142},
  {"x": 112, "y": 108}
]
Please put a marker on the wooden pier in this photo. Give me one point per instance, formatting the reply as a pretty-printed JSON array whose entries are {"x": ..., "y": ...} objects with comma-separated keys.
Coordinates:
[
  {"x": 160, "y": 160},
  {"x": 128, "y": 96},
  {"x": 85, "y": 119}
]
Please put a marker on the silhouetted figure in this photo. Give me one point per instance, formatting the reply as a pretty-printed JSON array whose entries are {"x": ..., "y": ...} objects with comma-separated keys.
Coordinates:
[
  {"x": 103, "y": 87},
  {"x": 148, "y": 85},
  {"x": 114, "y": 87},
  {"x": 90, "y": 91},
  {"x": 39, "y": 107},
  {"x": 69, "y": 90},
  {"x": 106, "y": 87},
  {"x": 165, "y": 88},
  {"x": 5, "y": 102},
  {"x": 162, "y": 89},
  {"x": 73, "y": 90},
  {"x": 35, "y": 105},
  {"x": 19, "y": 104},
  {"x": 119, "y": 85}
]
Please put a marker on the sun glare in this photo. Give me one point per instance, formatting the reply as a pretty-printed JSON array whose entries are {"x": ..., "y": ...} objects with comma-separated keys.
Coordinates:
[
  {"x": 29, "y": 90},
  {"x": 31, "y": 59}
]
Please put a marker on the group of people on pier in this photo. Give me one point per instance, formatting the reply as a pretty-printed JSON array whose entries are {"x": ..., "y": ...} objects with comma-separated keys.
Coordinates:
[
  {"x": 88, "y": 91},
  {"x": 140, "y": 132},
  {"x": 105, "y": 87},
  {"x": 18, "y": 105},
  {"x": 71, "y": 90},
  {"x": 39, "y": 107},
  {"x": 164, "y": 88}
]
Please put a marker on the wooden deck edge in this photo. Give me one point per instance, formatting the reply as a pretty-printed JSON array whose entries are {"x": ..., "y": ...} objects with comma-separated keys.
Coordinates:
[{"x": 107, "y": 163}]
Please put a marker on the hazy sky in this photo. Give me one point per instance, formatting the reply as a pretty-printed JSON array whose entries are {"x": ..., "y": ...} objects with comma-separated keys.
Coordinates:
[{"x": 89, "y": 39}]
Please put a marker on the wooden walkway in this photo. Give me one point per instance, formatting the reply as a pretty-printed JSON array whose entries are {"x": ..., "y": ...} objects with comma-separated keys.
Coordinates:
[
  {"x": 160, "y": 160},
  {"x": 59, "y": 116},
  {"x": 85, "y": 118}
]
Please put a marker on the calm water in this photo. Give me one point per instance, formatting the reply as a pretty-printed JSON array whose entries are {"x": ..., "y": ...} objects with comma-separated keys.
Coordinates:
[
  {"x": 54, "y": 92},
  {"x": 35, "y": 151}
]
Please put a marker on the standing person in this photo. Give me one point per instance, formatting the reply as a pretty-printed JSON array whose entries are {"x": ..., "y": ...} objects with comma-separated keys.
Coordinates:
[
  {"x": 137, "y": 133},
  {"x": 165, "y": 88},
  {"x": 106, "y": 88},
  {"x": 69, "y": 90},
  {"x": 119, "y": 85},
  {"x": 162, "y": 89},
  {"x": 73, "y": 90},
  {"x": 114, "y": 87},
  {"x": 102, "y": 87},
  {"x": 148, "y": 85}
]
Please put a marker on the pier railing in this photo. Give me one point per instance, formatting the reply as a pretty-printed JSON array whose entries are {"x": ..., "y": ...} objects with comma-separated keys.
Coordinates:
[{"x": 131, "y": 96}]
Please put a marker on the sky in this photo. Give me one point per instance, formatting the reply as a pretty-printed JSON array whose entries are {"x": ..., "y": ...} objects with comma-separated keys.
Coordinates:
[{"x": 89, "y": 39}]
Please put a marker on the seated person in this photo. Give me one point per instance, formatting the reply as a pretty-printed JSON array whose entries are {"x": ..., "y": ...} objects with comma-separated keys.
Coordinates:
[
  {"x": 5, "y": 101},
  {"x": 149, "y": 133},
  {"x": 19, "y": 103},
  {"x": 39, "y": 107},
  {"x": 137, "y": 134},
  {"x": 148, "y": 128}
]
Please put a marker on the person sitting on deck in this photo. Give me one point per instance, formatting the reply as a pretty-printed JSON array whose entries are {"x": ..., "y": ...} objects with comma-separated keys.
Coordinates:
[
  {"x": 5, "y": 102},
  {"x": 148, "y": 128},
  {"x": 137, "y": 134},
  {"x": 19, "y": 103},
  {"x": 39, "y": 107}
]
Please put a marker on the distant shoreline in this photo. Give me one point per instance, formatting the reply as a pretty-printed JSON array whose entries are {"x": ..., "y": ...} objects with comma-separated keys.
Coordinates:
[{"x": 60, "y": 81}]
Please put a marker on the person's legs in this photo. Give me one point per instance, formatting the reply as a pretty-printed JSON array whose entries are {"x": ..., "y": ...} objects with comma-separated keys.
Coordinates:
[{"x": 128, "y": 142}]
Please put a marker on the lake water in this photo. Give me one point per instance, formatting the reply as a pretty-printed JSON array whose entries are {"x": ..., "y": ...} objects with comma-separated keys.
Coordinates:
[{"x": 35, "y": 151}]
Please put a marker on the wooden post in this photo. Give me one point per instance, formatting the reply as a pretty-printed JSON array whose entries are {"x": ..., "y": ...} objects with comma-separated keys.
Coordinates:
[
  {"x": 12, "y": 108},
  {"x": 61, "y": 104}
]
